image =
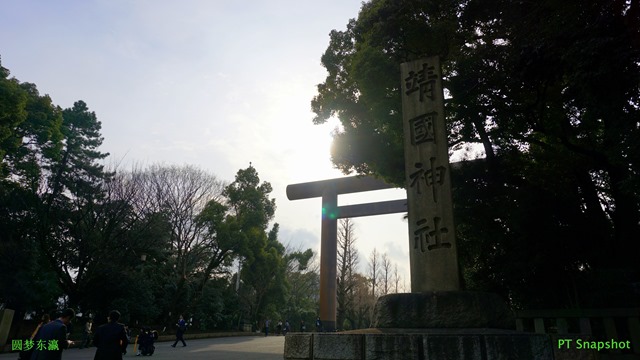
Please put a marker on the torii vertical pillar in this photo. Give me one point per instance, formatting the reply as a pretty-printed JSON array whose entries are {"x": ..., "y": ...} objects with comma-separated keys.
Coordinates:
[{"x": 329, "y": 258}]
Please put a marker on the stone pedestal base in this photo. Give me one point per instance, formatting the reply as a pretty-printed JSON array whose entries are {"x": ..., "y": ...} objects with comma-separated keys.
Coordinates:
[
  {"x": 452, "y": 325},
  {"x": 443, "y": 310},
  {"x": 401, "y": 344}
]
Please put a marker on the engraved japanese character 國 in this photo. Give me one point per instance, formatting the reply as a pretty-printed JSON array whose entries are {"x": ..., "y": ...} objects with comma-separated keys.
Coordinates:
[
  {"x": 423, "y": 81},
  {"x": 423, "y": 128},
  {"x": 426, "y": 238}
]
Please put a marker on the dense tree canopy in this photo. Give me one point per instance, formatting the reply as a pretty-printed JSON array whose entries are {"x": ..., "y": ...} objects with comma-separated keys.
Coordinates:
[
  {"x": 550, "y": 91},
  {"x": 29, "y": 134},
  {"x": 150, "y": 242}
]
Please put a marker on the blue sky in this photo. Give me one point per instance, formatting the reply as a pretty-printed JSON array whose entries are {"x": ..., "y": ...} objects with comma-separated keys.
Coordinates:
[{"x": 216, "y": 84}]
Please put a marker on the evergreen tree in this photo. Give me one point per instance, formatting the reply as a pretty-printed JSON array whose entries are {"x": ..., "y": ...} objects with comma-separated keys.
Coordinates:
[{"x": 554, "y": 114}]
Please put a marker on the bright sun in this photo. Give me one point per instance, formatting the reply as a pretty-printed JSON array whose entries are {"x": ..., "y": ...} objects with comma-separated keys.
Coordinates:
[{"x": 312, "y": 155}]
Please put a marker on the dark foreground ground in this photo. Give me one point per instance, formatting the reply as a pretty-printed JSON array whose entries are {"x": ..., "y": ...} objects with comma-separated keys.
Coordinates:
[{"x": 229, "y": 348}]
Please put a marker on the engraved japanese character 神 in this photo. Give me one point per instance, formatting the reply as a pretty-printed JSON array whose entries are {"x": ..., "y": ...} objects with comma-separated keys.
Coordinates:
[
  {"x": 423, "y": 81},
  {"x": 432, "y": 177},
  {"x": 416, "y": 176},
  {"x": 433, "y": 239},
  {"x": 16, "y": 345},
  {"x": 423, "y": 128}
]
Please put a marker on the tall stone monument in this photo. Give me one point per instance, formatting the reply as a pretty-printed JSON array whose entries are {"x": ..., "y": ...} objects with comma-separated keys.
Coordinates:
[
  {"x": 436, "y": 299},
  {"x": 432, "y": 236}
]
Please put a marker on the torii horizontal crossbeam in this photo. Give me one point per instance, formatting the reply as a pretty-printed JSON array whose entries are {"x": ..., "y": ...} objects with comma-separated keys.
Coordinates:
[
  {"x": 345, "y": 185},
  {"x": 369, "y": 209}
]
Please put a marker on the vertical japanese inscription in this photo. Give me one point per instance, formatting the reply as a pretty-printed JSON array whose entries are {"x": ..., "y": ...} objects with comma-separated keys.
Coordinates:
[{"x": 432, "y": 238}]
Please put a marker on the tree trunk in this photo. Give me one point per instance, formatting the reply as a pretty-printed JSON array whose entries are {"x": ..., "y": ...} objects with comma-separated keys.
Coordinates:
[{"x": 625, "y": 245}]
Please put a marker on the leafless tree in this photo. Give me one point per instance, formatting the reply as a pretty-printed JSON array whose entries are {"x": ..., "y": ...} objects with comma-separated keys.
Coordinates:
[
  {"x": 374, "y": 278},
  {"x": 179, "y": 194},
  {"x": 396, "y": 278},
  {"x": 374, "y": 272},
  {"x": 347, "y": 266},
  {"x": 385, "y": 273}
]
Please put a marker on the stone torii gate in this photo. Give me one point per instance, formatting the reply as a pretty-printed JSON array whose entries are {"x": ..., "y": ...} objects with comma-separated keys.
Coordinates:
[{"x": 331, "y": 212}]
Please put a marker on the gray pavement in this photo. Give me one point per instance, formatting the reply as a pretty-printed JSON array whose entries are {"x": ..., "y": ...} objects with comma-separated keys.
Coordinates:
[{"x": 231, "y": 348}]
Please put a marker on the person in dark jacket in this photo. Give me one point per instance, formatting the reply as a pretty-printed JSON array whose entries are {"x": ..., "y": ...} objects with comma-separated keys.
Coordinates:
[
  {"x": 51, "y": 339},
  {"x": 182, "y": 327},
  {"x": 110, "y": 339},
  {"x": 26, "y": 354}
]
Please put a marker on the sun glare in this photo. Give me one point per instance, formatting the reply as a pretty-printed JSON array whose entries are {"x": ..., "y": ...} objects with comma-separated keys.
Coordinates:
[{"x": 311, "y": 153}]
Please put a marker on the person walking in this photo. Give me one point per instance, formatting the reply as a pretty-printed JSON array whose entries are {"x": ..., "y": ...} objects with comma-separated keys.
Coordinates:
[
  {"x": 26, "y": 354},
  {"x": 182, "y": 327},
  {"x": 86, "y": 334},
  {"x": 110, "y": 339},
  {"x": 52, "y": 338}
]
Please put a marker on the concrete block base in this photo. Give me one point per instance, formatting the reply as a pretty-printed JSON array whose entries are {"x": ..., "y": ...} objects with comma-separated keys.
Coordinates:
[{"x": 396, "y": 344}]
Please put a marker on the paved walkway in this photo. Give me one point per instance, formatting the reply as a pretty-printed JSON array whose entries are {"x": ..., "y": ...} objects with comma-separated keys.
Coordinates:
[{"x": 230, "y": 348}]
